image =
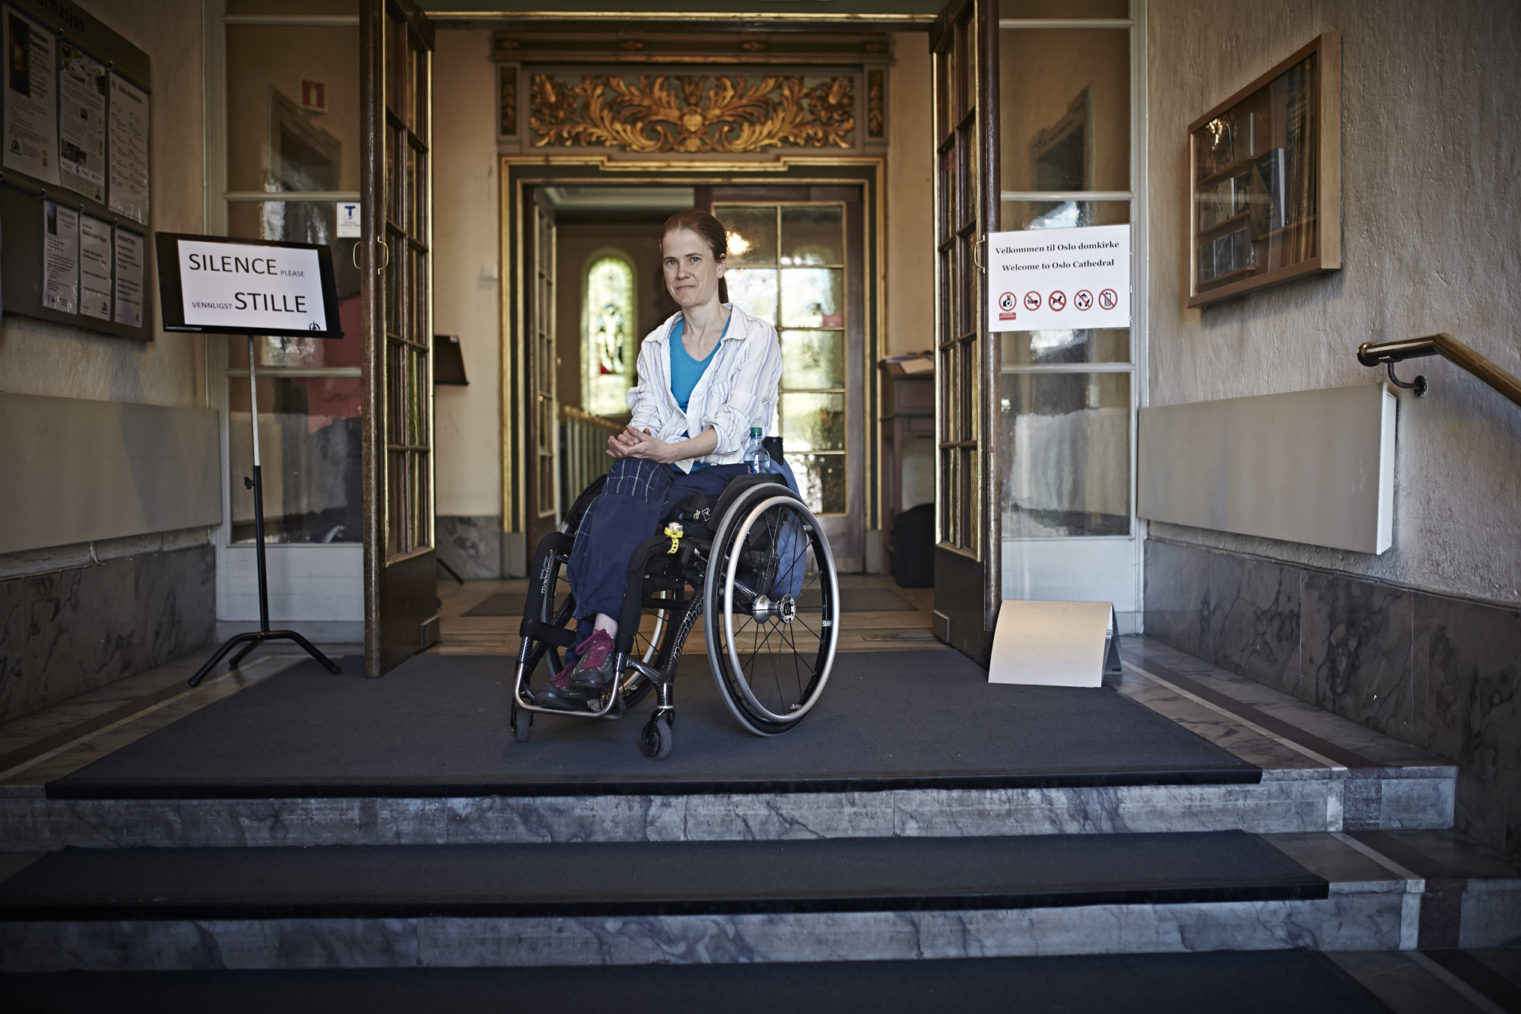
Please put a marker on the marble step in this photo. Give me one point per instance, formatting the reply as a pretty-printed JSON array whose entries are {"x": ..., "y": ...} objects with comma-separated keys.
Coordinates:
[
  {"x": 1300, "y": 770},
  {"x": 1281, "y": 800},
  {"x": 638, "y": 903}
]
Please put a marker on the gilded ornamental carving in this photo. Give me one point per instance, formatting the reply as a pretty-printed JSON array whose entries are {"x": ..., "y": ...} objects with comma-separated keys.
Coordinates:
[{"x": 692, "y": 113}]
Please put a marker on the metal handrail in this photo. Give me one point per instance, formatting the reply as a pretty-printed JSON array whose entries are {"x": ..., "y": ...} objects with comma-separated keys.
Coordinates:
[{"x": 1446, "y": 346}]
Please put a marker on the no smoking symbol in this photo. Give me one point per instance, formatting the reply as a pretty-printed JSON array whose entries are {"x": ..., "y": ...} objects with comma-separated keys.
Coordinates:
[
  {"x": 1108, "y": 298},
  {"x": 1006, "y": 301},
  {"x": 1083, "y": 300},
  {"x": 1032, "y": 301},
  {"x": 1058, "y": 300}
]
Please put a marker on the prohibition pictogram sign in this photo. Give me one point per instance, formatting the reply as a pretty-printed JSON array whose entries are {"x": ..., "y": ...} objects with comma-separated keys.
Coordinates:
[
  {"x": 1083, "y": 299},
  {"x": 1108, "y": 298},
  {"x": 1058, "y": 300},
  {"x": 1006, "y": 301},
  {"x": 1032, "y": 301}
]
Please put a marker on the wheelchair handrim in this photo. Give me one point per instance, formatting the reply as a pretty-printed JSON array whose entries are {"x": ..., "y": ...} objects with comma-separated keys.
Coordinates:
[{"x": 829, "y": 638}]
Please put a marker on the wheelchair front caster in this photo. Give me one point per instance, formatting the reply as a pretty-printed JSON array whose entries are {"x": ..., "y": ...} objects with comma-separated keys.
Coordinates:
[
  {"x": 657, "y": 738},
  {"x": 521, "y": 721}
]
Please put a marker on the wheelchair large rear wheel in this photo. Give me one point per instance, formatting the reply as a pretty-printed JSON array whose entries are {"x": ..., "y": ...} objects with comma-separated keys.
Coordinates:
[{"x": 771, "y": 609}]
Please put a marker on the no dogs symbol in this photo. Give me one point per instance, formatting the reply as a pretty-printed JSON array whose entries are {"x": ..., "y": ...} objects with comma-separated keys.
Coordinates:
[{"x": 1058, "y": 300}]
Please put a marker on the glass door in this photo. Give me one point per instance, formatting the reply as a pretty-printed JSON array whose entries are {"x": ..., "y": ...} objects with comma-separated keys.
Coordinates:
[
  {"x": 1067, "y": 398},
  {"x": 285, "y": 166},
  {"x": 796, "y": 263},
  {"x": 967, "y": 572},
  {"x": 401, "y": 616}
]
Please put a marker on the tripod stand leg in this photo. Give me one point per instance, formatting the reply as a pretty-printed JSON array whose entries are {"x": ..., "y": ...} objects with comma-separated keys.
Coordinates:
[
  {"x": 311, "y": 649},
  {"x": 249, "y": 640}
]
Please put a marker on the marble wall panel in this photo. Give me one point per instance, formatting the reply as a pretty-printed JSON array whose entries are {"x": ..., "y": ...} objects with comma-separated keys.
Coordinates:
[
  {"x": 1177, "y": 596},
  {"x": 1438, "y": 672},
  {"x": 14, "y": 621},
  {"x": 1467, "y": 658},
  {"x": 1254, "y": 621},
  {"x": 1356, "y": 650},
  {"x": 70, "y": 631},
  {"x": 471, "y": 545}
]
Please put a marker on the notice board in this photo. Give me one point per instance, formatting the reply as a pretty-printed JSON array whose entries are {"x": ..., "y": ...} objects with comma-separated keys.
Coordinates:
[{"x": 74, "y": 171}]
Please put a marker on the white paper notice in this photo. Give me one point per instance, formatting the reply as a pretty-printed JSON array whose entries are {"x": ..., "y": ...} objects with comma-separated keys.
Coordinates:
[
  {"x": 129, "y": 278},
  {"x": 60, "y": 258},
  {"x": 94, "y": 268},
  {"x": 348, "y": 220},
  {"x": 1059, "y": 279},
  {"x": 82, "y": 124},
  {"x": 31, "y": 101},
  {"x": 254, "y": 288},
  {"x": 129, "y": 150}
]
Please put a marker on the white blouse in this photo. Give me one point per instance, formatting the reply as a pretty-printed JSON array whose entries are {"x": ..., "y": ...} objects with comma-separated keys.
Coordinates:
[{"x": 738, "y": 390}]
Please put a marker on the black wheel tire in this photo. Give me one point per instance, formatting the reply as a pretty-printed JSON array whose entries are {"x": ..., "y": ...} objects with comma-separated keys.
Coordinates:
[
  {"x": 656, "y": 740},
  {"x": 521, "y": 722}
]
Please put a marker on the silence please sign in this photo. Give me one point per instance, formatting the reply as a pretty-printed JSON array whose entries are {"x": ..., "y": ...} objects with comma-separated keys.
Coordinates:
[
  {"x": 251, "y": 287},
  {"x": 1059, "y": 279}
]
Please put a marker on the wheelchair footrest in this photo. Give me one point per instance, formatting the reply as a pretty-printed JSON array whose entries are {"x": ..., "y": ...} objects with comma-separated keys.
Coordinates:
[{"x": 559, "y": 636}]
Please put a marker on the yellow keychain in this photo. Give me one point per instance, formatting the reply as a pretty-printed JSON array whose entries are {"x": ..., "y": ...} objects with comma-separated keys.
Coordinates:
[{"x": 673, "y": 531}]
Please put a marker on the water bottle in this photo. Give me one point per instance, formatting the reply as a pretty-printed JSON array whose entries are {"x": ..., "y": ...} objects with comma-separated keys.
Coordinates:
[{"x": 756, "y": 458}]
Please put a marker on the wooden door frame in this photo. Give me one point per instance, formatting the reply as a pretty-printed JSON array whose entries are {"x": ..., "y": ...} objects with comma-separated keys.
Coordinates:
[
  {"x": 968, "y": 586},
  {"x": 409, "y": 591},
  {"x": 520, "y": 172}
]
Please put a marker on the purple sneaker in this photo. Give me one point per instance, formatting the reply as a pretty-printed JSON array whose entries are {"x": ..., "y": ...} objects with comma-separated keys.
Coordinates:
[{"x": 594, "y": 666}]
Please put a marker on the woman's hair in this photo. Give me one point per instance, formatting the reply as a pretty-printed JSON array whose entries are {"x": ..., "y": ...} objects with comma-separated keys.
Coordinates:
[{"x": 711, "y": 230}]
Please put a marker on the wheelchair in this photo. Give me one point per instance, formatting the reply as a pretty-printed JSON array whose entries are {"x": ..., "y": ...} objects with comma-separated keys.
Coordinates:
[{"x": 755, "y": 566}]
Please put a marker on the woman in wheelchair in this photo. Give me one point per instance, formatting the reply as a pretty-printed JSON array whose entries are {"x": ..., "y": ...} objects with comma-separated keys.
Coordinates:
[{"x": 706, "y": 376}]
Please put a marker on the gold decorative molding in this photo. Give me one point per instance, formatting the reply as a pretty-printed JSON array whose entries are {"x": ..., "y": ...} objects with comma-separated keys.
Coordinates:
[
  {"x": 578, "y": 48},
  {"x": 507, "y": 101},
  {"x": 691, "y": 114},
  {"x": 876, "y": 114}
]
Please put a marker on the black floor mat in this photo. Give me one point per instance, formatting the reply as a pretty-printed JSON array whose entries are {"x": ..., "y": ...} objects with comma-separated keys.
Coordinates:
[
  {"x": 572, "y": 880},
  {"x": 438, "y": 725},
  {"x": 1253, "y": 982}
]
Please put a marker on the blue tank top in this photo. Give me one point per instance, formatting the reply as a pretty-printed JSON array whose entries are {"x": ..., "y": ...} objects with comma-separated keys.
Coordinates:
[{"x": 686, "y": 371}]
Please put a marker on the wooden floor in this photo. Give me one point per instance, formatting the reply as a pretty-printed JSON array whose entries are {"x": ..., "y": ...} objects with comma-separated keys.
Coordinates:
[{"x": 876, "y": 630}]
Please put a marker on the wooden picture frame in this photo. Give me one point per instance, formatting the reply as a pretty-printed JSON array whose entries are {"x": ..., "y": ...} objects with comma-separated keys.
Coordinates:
[{"x": 1264, "y": 179}]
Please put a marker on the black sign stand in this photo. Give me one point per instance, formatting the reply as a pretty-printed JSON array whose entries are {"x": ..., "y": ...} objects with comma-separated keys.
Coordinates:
[{"x": 253, "y": 639}]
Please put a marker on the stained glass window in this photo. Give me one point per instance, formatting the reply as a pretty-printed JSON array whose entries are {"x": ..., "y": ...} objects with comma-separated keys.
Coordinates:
[{"x": 608, "y": 345}]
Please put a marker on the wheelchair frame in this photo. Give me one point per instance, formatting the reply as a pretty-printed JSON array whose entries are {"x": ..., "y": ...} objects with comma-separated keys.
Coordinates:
[{"x": 743, "y": 595}]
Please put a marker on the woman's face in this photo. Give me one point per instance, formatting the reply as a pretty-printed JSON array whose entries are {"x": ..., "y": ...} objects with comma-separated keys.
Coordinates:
[{"x": 691, "y": 271}]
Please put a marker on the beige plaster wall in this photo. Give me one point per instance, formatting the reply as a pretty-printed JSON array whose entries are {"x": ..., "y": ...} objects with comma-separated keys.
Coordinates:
[
  {"x": 466, "y": 288},
  {"x": 1431, "y": 104},
  {"x": 54, "y": 359},
  {"x": 909, "y": 318}
]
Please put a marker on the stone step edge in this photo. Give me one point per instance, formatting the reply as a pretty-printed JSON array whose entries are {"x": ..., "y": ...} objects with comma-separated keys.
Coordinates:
[
  {"x": 1378, "y": 920},
  {"x": 1330, "y": 802}
]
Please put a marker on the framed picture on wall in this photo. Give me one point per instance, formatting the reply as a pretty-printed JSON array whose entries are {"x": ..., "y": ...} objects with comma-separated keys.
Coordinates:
[{"x": 1264, "y": 179}]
